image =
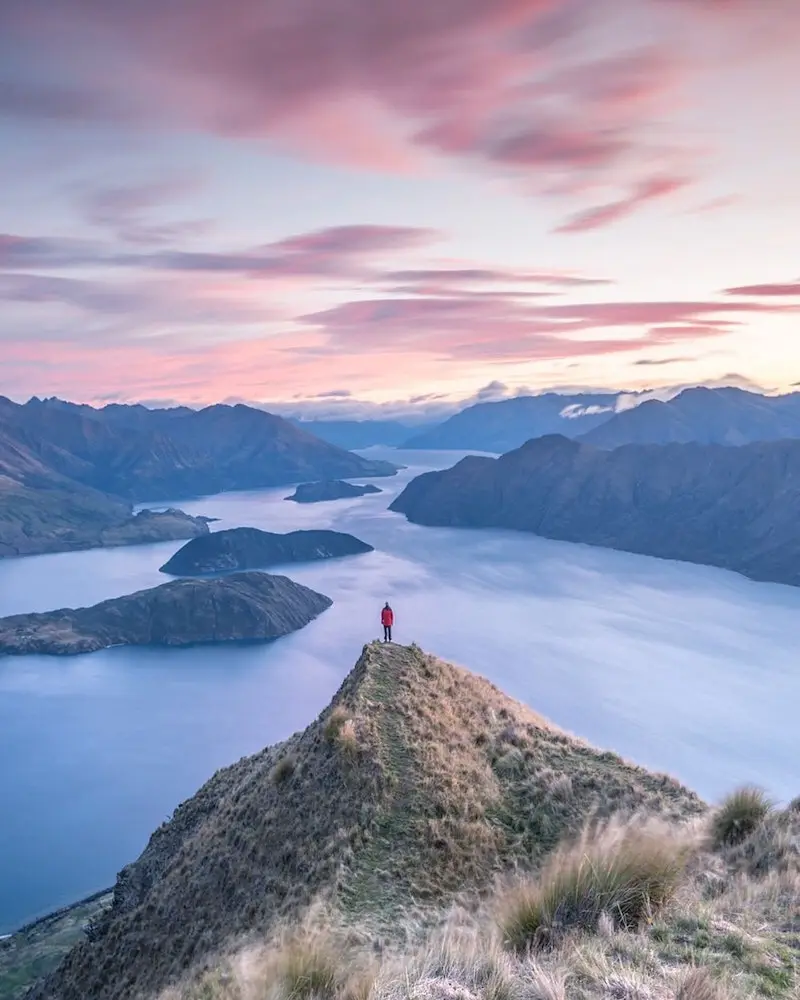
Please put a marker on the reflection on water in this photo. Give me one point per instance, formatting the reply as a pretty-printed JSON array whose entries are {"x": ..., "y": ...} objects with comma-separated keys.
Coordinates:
[{"x": 682, "y": 668}]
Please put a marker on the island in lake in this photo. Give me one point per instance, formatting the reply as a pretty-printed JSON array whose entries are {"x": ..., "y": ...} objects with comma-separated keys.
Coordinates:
[
  {"x": 240, "y": 607},
  {"x": 330, "y": 489},
  {"x": 250, "y": 548}
]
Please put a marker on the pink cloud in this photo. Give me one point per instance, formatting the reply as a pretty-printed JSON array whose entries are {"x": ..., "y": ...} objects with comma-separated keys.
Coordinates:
[
  {"x": 500, "y": 85},
  {"x": 336, "y": 251},
  {"x": 787, "y": 289},
  {"x": 505, "y": 328},
  {"x": 604, "y": 215}
]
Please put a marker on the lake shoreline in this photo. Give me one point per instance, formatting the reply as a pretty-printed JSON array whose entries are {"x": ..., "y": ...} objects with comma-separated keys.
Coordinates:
[{"x": 61, "y": 912}]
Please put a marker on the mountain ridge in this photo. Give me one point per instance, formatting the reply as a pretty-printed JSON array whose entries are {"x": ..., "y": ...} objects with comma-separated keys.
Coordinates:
[
  {"x": 419, "y": 782},
  {"x": 734, "y": 508}
]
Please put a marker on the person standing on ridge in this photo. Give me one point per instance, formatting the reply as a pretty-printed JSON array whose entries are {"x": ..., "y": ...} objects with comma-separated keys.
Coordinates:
[{"x": 387, "y": 620}]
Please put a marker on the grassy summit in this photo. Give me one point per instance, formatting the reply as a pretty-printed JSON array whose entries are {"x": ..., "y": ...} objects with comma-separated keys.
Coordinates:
[{"x": 416, "y": 787}]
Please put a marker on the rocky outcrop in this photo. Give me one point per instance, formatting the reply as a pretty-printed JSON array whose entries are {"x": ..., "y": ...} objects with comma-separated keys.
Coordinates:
[
  {"x": 244, "y": 606},
  {"x": 330, "y": 489},
  {"x": 730, "y": 507},
  {"x": 250, "y": 548}
]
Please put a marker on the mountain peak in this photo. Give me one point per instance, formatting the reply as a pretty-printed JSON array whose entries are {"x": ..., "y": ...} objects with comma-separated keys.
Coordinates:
[{"x": 414, "y": 787}]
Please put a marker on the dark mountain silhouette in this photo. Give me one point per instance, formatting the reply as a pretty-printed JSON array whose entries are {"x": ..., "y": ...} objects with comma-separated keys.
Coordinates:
[
  {"x": 43, "y": 510},
  {"x": 709, "y": 416},
  {"x": 507, "y": 424},
  {"x": 251, "y": 548},
  {"x": 155, "y": 455},
  {"x": 244, "y": 606},
  {"x": 330, "y": 489},
  {"x": 731, "y": 507}
]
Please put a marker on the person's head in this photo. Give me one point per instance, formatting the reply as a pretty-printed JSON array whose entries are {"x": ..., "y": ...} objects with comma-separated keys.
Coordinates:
[{"x": 386, "y": 605}]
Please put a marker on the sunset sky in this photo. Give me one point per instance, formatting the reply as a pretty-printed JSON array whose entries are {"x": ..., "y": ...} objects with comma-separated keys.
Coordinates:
[{"x": 342, "y": 201}]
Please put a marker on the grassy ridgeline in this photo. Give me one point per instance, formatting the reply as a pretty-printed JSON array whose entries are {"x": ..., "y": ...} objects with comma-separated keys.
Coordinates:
[{"x": 332, "y": 866}]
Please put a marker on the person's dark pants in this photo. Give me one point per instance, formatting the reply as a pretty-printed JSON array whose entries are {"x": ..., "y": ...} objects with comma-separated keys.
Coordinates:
[{"x": 387, "y": 633}]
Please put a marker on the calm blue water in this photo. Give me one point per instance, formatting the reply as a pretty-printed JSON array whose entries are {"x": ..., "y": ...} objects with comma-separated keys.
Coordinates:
[{"x": 686, "y": 669}]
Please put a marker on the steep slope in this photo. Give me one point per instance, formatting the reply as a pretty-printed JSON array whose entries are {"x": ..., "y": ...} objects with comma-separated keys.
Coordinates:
[
  {"x": 154, "y": 455},
  {"x": 251, "y": 548},
  {"x": 43, "y": 510},
  {"x": 709, "y": 416},
  {"x": 416, "y": 785},
  {"x": 243, "y": 606},
  {"x": 507, "y": 424},
  {"x": 729, "y": 507}
]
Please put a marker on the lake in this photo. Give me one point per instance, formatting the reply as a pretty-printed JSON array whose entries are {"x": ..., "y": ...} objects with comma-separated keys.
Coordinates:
[{"x": 685, "y": 669}]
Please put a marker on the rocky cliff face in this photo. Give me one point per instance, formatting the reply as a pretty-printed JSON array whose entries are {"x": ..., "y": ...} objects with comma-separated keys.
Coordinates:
[
  {"x": 729, "y": 507},
  {"x": 244, "y": 606},
  {"x": 331, "y": 489},
  {"x": 251, "y": 548}
]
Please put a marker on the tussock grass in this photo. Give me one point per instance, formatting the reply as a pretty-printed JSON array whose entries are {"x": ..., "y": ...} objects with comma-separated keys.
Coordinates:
[
  {"x": 338, "y": 717},
  {"x": 741, "y": 943},
  {"x": 699, "y": 984},
  {"x": 283, "y": 769},
  {"x": 455, "y": 783},
  {"x": 624, "y": 874},
  {"x": 738, "y": 816}
]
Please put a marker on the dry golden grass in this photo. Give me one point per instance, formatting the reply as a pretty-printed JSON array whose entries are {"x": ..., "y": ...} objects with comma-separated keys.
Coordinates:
[
  {"x": 338, "y": 717},
  {"x": 625, "y": 872},
  {"x": 740, "y": 942},
  {"x": 416, "y": 788},
  {"x": 739, "y": 815}
]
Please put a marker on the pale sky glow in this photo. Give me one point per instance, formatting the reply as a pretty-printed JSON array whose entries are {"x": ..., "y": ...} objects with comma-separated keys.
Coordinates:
[{"x": 275, "y": 200}]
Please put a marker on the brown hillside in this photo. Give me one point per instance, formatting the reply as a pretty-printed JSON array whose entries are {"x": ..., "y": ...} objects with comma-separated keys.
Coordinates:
[{"x": 418, "y": 784}]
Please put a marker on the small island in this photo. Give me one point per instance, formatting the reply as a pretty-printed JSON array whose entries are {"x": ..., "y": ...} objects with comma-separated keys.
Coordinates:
[
  {"x": 330, "y": 489},
  {"x": 236, "y": 549},
  {"x": 241, "y": 607}
]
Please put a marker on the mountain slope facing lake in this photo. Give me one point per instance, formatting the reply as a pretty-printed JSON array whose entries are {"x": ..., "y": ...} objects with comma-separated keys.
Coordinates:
[
  {"x": 244, "y": 606},
  {"x": 736, "y": 508},
  {"x": 416, "y": 786},
  {"x": 158, "y": 455},
  {"x": 252, "y": 548},
  {"x": 43, "y": 510}
]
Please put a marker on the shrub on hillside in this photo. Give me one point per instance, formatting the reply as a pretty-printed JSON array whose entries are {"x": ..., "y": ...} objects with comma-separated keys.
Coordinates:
[
  {"x": 738, "y": 816},
  {"x": 623, "y": 873},
  {"x": 333, "y": 725},
  {"x": 284, "y": 769}
]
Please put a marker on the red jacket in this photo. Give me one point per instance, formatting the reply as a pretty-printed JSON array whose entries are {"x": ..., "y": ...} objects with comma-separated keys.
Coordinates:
[{"x": 387, "y": 616}]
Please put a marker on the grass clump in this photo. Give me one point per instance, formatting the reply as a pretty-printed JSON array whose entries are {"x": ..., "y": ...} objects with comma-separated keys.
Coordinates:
[
  {"x": 739, "y": 815},
  {"x": 624, "y": 874},
  {"x": 699, "y": 984},
  {"x": 336, "y": 721},
  {"x": 313, "y": 964},
  {"x": 284, "y": 769}
]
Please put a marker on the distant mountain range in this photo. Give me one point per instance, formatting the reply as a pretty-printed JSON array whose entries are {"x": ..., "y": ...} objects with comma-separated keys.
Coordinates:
[
  {"x": 507, "y": 424},
  {"x": 710, "y": 416},
  {"x": 735, "y": 508},
  {"x": 69, "y": 473},
  {"x": 361, "y": 433}
]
